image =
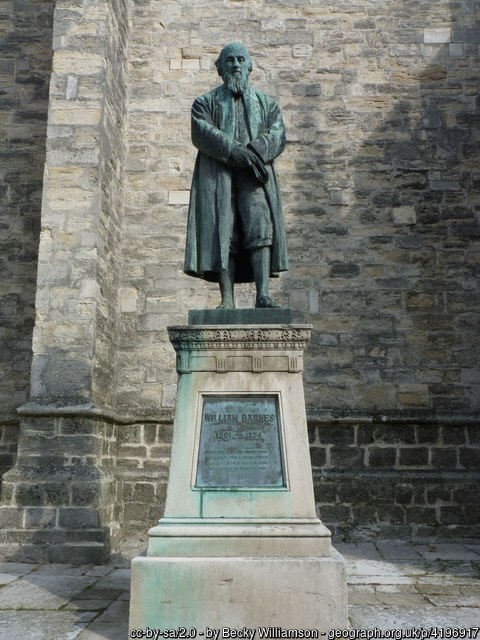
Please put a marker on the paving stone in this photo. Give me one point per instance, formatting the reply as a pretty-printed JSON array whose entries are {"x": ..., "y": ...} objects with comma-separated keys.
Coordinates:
[
  {"x": 368, "y": 617},
  {"x": 439, "y": 589},
  {"x": 362, "y": 550},
  {"x": 42, "y": 592},
  {"x": 373, "y": 568},
  {"x": 397, "y": 550},
  {"x": 462, "y": 569},
  {"x": 95, "y": 604},
  {"x": 445, "y": 579},
  {"x": 446, "y": 552},
  {"x": 44, "y": 625},
  {"x": 362, "y": 594},
  {"x": 17, "y": 568},
  {"x": 474, "y": 547},
  {"x": 470, "y": 588},
  {"x": 402, "y": 599},
  {"x": 455, "y": 601},
  {"x": 117, "y": 579},
  {"x": 105, "y": 631},
  {"x": 102, "y": 593},
  {"x": 101, "y": 570},
  {"x": 395, "y": 588},
  {"x": 117, "y": 610},
  {"x": 6, "y": 578},
  {"x": 373, "y": 579},
  {"x": 55, "y": 569}
]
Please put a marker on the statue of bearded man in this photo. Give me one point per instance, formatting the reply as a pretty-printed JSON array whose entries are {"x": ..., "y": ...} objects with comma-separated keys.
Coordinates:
[{"x": 236, "y": 231}]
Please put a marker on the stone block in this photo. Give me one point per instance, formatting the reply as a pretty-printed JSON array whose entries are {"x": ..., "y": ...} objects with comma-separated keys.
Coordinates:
[
  {"x": 313, "y": 593},
  {"x": 428, "y": 434},
  {"x": 381, "y": 457},
  {"x": 344, "y": 270},
  {"x": 11, "y": 517},
  {"x": 451, "y": 515},
  {"x": 335, "y": 513},
  {"x": 394, "y": 434},
  {"x": 437, "y": 36},
  {"x": 179, "y": 197},
  {"x": 351, "y": 457},
  {"x": 239, "y": 316},
  {"x": 318, "y": 456},
  {"x": 468, "y": 35},
  {"x": 456, "y": 49},
  {"x": 413, "y": 457},
  {"x": 339, "y": 434},
  {"x": 403, "y": 494},
  {"x": 404, "y": 215},
  {"x": 454, "y": 435},
  {"x": 469, "y": 457},
  {"x": 424, "y": 515},
  {"x": 94, "y": 553},
  {"x": 78, "y": 518},
  {"x": 40, "y": 518},
  {"x": 444, "y": 458},
  {"x": 77, "y": 62},
  {"x": 85, "y": 494}
]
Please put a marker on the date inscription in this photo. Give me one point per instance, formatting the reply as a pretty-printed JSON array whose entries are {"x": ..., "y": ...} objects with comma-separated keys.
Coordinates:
[{"x": 240, "y": 444}]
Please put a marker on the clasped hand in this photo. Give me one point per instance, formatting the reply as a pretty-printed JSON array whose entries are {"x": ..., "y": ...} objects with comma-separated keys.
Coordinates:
[{"x": 241, "y": 157}]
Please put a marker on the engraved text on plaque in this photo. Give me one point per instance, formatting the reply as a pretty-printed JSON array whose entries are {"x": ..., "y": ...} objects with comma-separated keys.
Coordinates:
[{"x": 240, "y": 442}]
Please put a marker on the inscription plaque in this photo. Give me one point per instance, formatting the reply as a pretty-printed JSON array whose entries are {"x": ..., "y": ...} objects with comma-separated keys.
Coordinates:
[{"x": 240, "y": 442}]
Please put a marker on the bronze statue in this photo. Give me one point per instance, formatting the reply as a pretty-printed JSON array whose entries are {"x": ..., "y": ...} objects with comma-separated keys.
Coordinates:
[{"x": 236, "y": 231}]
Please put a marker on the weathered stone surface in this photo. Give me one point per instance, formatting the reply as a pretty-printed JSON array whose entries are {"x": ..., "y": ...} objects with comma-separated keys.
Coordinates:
[
  {"x": 375, "y": 151},
  {"x": 25, "y": 44},
  {"x": 240, "y": 316}
]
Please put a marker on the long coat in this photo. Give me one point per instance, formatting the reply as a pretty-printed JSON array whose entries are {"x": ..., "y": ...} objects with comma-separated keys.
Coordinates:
[{"x": 210, "y": 210}]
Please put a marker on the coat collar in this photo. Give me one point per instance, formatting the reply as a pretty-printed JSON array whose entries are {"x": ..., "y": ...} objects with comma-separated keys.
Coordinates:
[{"x": 225, "y": 100}]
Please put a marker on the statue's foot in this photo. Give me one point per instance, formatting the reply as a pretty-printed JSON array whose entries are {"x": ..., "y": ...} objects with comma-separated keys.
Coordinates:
[
  {"x": 226, "y": 305},
  {"x": 266, "y": 302}
]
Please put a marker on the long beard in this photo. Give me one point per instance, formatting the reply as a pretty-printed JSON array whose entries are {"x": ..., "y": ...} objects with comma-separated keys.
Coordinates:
[{"x": 236, "y": 82}]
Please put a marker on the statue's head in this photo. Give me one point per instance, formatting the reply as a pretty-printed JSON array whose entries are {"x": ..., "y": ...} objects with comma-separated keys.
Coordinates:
[{"x": 234, "y": 66}]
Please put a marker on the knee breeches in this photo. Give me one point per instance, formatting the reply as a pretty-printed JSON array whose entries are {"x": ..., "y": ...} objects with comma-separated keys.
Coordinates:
[{"x": 252, "y": 223}]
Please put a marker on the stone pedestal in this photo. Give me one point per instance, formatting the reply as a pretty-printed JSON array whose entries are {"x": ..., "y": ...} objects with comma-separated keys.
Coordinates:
[{"x": 240, "y": 543}]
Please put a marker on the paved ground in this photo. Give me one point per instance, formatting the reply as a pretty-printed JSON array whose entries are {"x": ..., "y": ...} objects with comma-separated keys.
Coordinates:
[{"x": 392, "y": 585}]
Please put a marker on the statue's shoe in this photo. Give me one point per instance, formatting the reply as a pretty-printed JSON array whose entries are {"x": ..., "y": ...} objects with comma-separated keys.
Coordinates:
[
  {"x": 226, "y": 305},
  {"x": 265, "y": 302}
]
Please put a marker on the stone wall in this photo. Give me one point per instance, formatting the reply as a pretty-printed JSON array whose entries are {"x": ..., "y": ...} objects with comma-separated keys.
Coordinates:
[
  {"x": 143, "y": 458},
  {"x": 397, "y": 480},
  {"x": 379, "y": 180},
  {"x": 60, "y": 500},
  {"x": 26, "y": 54},
  {"x": 380, "y": 184},
  {"x": 73, "y": 356}
]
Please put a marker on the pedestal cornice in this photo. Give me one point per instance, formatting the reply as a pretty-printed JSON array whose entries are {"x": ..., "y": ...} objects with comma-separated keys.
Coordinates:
[{"x": 240, "y": 347}]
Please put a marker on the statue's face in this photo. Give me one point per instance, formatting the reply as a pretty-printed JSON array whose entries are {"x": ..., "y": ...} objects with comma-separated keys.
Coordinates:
[
  {"x": 236, "y": 67},
  {"x": 237, "y": 64}
]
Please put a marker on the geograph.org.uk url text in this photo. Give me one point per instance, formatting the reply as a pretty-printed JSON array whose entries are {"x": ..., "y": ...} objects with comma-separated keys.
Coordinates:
[{"x": 422, "y": 633}]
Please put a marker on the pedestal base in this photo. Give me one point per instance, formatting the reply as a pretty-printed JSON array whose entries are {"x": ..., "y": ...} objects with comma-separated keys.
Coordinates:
[
  {"x": 236, "y": 593},
  {"x": 225, "y": 537},
  {"x": 240, "y": 546}
]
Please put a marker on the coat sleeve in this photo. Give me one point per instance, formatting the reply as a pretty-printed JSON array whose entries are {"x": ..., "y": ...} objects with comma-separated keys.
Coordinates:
[
  {"x": 271, "y": 142},
  {"x": 208, "y": 138}
]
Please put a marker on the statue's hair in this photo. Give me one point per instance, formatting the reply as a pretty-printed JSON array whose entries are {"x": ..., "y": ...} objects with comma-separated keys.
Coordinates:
[{"x": 227, "y": 49}]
